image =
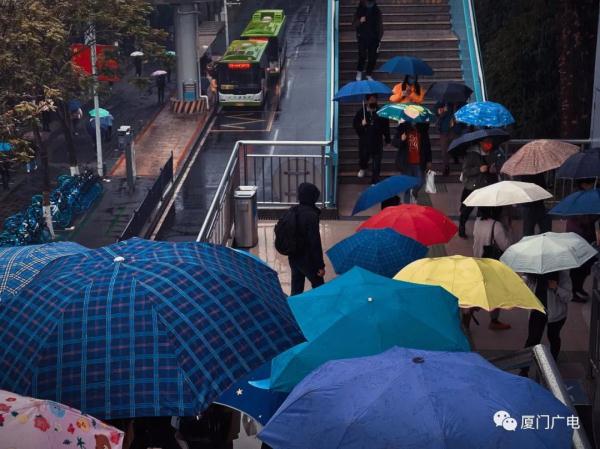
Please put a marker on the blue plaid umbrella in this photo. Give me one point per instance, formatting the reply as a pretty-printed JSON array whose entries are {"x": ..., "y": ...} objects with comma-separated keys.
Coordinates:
[
  {"x": 484, "y": 114},
  {"x": 384, "y": 190},
  {"x": 381, "y": 251},
  {"x": 20, "y": 264},
  {"x": 356, "y": 91},
  {"x": 584, "y": 202},
  {"x": 581, "y": 165},
  {"x": 143, "y": 328},
  {"x": 407, "y": 65}
]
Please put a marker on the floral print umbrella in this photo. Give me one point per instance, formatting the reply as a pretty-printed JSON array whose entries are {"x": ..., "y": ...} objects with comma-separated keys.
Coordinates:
[
  {"x": 28, "y": 423},
  {"x": 406, "y": 112}
]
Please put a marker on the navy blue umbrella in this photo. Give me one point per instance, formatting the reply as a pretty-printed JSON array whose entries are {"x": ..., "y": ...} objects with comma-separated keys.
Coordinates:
[
  {"x": 356, "y": 90},
  {"x": 407, "y": 65},
  {"x": 381, "y": 251},
  {"x": 258, "y": 403},
  {"x": 384, "y": 190},
  {"x": 143, "y": 328},
  {"x": 584, "y": 202},
  {"x": 581, "y": 165},
  {"x": 410, "y": 398},
  {"x": 447, "y": 92},
  {"x": 20, "y": 264},
  {"x": 73, "y": 105},
  {"x": 460, "y": 144}
]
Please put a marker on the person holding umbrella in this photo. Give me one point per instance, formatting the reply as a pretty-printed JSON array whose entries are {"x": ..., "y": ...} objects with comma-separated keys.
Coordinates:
[
  {"x": 372, "y": 131},
  {"x": 446, "y": 125},
  {"x": 161, "y": 82},
  {"x": 408, "y": 91},
  {"x": 368, "y": 23},
  {"x": 414, "y": 154}
]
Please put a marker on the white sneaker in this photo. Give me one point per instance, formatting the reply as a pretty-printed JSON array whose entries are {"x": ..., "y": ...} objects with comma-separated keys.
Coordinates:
[
  {"x": 361, "y": 173},
  {"x": 358, "y": 76},
  {"x": 370, "y": 78}
]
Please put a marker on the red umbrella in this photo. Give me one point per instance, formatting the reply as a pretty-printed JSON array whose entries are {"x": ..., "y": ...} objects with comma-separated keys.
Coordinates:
[{"x": 424, "y": 224}]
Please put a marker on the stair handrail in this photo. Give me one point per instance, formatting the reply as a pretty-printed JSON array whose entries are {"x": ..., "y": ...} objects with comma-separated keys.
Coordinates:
[{"x": 475, "y": 49}]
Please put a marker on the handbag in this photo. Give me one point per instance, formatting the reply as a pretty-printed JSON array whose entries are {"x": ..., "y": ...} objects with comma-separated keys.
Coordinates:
[
  {"x": 492, "y": 251},
  {"x": 430, "y": 182}
]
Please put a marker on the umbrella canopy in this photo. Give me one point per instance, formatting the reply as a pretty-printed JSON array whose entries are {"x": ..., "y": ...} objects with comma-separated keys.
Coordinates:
[
  {"x": 20, "y": 264},
  {"x": 384, "y": 190},
  {"x": 28, "y": 423},
  {"x": 136, "y": 53},
  {"x": 406, "y": 112},
  {"x": 581, "y": 165},
  {"x": 158, "y": 73},
  {"x": 101, "y": 112},
  {"x": 170, "y": 53},
  {"x": 583, "y": 202},
  {"x": 381, "y": 251},
  {"x": 485, "y": 283},
  {"x": 460, "y": 144},
  {"x": 361, "y": 313},
  {"x": 258, "y": 403},
  {"x": 5, "y": 147},
  {"x": 506, "y": 193},
  {"x": 539, "y": 156},
  {"x": 425, "y": 224},
  {"x": 143, "y": 328},
  {"x": 448, "y": 92},
  {"x": 548, "y": 252},
  {"x": 484, "y": 114},
  {"x": 356, "y": 91},
  {"x": 406, "y": 65},
  {"x": 407, "y": 398}
]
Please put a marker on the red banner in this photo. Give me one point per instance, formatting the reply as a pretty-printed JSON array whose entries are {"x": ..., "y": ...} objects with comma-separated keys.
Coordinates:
[{"x": 106, "y": 62}]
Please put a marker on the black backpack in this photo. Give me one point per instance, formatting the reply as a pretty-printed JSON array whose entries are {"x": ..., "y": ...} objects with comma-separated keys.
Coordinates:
[{"x": 286, "y": 232}]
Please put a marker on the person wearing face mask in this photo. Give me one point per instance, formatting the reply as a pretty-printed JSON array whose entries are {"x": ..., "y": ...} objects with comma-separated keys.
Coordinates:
[
  {"x": 475, "y": 175},
  {"x": 408, "y": 91},
  {"x": 368, "y": 23},
  {"x": 372, "y": 131}
]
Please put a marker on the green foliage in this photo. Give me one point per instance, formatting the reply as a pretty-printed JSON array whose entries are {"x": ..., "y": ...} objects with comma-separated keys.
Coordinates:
[{"x": 519, "y": 51}]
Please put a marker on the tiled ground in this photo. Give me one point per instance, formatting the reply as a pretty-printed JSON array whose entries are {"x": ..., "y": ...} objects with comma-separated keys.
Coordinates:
[{"x": 575, "y": 332}]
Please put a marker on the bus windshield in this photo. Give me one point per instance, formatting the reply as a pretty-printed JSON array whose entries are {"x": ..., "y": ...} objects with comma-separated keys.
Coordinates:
[{"x": 239, "y": 75}]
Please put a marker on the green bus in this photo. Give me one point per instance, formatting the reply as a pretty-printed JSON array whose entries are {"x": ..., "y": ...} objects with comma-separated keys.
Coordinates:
[
  {"x": 242, "y": 74},
  {"x": 269, "y": 25}
]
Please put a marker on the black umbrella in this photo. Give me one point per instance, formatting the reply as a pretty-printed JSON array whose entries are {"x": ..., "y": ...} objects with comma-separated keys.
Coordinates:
[
  {"x": 581, "y": 165},
  {"x": 449, "y": 92},
  {"x": 460, "y": 144}
]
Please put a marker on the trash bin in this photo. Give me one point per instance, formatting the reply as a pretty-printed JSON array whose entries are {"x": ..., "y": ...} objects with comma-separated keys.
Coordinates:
[{"x": 245, "y": 217}]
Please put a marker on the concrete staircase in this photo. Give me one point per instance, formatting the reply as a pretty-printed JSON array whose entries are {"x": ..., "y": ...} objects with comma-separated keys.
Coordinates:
[{"x": 420, "y": 28}]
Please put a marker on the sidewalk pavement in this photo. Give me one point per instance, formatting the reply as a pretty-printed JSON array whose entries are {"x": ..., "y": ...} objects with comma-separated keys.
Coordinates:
[{"x": 167, "y": 133}]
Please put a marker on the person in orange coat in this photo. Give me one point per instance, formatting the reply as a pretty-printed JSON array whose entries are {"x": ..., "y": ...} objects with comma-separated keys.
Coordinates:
[{"x": 408, "y": 92}]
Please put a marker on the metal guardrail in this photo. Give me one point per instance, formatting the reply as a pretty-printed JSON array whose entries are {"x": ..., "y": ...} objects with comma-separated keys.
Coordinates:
[
  {"x": 464, "y": 25},
  {"x": 142, "y": 214},
  {"x": 218, "y": 222},
  {"x": 546, "y": 373}
]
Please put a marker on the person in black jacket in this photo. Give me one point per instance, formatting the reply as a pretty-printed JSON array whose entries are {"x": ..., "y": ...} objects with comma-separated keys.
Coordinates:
[
  {"x": 372, "y": 131},
  {"x": 414, "y": 153},
  {"x": 368, "y": 23},
  {"x": 535, "y": 213},
  {"x": 308, "y": 262}
]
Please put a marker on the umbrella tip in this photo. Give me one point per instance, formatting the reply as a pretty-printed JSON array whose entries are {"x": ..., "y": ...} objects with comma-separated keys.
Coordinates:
[
  {"x": 119, "y": 259},
  {"x": 418, "y": 360},
  {"x": 370, "y": 299}
]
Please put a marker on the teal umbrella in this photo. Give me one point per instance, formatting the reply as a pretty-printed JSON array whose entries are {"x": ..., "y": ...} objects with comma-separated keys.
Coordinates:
[
  {"x": 170, "y": 53},
  {"x": 406, "y": 112},
  {"x": 101, "y": 112},
  {"x": 360, "y": 314}
]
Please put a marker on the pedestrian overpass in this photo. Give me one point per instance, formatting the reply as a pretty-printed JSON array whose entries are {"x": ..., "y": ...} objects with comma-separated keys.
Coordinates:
[{"x": 444, "y": 33}]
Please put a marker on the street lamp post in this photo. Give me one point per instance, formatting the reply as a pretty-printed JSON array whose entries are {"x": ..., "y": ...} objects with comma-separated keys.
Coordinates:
[
  {"x": 226, "y": 5},
  {"x": 90, "y": 39}
]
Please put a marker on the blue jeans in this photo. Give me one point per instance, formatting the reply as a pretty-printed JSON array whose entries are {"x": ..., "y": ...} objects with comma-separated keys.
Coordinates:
[{"x": 412, "y": 170}]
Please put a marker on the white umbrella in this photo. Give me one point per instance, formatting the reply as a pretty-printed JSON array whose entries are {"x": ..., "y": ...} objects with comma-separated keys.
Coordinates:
[
  {"x": 506, "y": 193},
  {"x": 548, "y": 252},
  {"x": 158, "y": 73},
  {"x": 136, "y": 53}
]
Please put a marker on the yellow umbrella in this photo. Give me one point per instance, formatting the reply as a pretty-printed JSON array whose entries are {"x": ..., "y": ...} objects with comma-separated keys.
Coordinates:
[{"x": 485, "y": 283}]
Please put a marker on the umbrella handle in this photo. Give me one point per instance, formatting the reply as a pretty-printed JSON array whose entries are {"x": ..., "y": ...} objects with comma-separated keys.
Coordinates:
[{"x": 364, "y": 112}]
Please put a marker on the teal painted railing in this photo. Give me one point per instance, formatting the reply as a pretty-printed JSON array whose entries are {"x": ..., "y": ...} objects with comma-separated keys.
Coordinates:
[
  {"x": 464, "y": 25},
  {"x": 332, "y": 106}
]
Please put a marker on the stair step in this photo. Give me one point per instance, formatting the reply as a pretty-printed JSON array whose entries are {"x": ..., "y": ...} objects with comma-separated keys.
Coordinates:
[
  {"x": 405, "y": 25},
  {"x": 402, "y": 16},
  {"x": 396, "y": 7},
  {"x": 350, "y": 51},
  {"x": 434, "y": 63},
  {"x": 391, "y": 79}
]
